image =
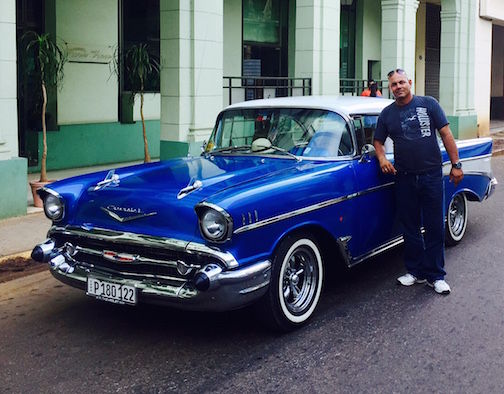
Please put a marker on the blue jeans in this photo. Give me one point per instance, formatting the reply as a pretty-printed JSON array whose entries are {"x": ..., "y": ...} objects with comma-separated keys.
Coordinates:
[{"x": 420, "y": 200}]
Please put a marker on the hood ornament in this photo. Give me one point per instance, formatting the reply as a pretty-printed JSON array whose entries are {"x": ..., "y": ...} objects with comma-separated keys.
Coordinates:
[
  {"x": 117, "y": 213},
  {"x": 112, "y": 179},
  {"x": 189, "y": 188}
]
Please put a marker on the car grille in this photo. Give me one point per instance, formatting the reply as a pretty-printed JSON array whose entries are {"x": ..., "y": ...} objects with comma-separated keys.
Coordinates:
[{"x": 149, "y": 262}]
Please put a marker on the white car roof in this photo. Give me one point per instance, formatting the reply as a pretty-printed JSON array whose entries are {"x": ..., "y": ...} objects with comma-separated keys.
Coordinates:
[{"x": 342, "y": 104}]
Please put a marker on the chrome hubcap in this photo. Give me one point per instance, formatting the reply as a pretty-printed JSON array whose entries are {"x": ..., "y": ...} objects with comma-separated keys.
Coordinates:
[
  {"x": 300, "y": 280},
  {"x": 456, "y": 215}
]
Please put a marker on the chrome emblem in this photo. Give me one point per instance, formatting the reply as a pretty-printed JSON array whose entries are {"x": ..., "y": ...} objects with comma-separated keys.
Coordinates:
[
  {"x": 119, "y": 257},
  {"x": 125, "y": 214}
]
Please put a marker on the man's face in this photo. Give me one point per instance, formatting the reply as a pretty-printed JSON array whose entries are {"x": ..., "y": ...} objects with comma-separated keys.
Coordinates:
[{"x": 400, "y": 85}]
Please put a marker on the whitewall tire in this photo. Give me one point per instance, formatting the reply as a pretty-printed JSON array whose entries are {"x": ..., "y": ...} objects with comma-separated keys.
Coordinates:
[
  {"x": 296, "y": 283},
  {"x": 456, "y": 219}
]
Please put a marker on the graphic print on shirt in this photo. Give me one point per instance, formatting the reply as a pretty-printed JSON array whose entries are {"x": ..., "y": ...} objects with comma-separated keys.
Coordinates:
[{"x": 415, "y": 123}]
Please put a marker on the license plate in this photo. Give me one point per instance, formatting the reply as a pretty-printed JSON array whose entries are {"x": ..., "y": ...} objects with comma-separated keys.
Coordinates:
[{"x": 111, "y": 292}]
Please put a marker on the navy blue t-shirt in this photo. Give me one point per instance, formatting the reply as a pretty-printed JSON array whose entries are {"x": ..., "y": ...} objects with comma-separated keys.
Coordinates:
[{"x": 412, "y": 127}]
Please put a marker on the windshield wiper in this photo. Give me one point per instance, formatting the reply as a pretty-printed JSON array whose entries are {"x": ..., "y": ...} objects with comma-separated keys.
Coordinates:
[
  {"x": 281, "y": 150},
  {"x": 229, "y": 149}
]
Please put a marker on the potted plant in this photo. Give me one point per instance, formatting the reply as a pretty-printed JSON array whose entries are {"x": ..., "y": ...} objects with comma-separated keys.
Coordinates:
[
  {"x": 138, "y": 65},
  {"x": 44, "y": 62}
]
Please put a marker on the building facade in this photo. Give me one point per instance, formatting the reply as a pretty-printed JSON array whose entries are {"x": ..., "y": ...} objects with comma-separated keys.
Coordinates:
[{"x": 215, "y": 52}]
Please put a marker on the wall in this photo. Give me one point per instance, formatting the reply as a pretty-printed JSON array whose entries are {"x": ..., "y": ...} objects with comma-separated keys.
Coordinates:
[
  {"x": 368, "y": 36},
  {"x": 492, "y": 9},
  {"x": 420, "y": 50},
  {"x": 483, "y": 59},
  {"x": 77, "y": 145},
  {"x": 232, "y": 46},
  {"x": 13, "y": 176},
  {"x": 292, "y": 39},
  {"x": 498, "y": 62},
  {"x": 152, "y": 107},
  {"x": 90, "y": 29},
  {"x": 8, "y": 88}
]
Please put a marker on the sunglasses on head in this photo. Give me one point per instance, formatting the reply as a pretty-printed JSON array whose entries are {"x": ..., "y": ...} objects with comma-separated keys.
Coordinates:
[{"x": 397, "y": 70}]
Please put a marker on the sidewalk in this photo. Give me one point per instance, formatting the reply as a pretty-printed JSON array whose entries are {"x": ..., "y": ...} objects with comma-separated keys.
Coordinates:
[
  {"x": 21, "y": 234},
  {"x": 497, "y": 133}
]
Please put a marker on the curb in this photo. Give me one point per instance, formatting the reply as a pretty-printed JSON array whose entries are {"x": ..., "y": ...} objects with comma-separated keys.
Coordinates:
[
  {"x": 499, "y": 152},
  {"x": 25, "y": 255}
]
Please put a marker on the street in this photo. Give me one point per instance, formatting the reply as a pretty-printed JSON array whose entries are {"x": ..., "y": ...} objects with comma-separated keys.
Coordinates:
[{"x": 368, "y": 335}]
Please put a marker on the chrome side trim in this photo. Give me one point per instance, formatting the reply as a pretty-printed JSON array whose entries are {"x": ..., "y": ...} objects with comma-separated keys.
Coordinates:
[
  {"x": 386, "y": 246},
  {"x": 146, "y": 240},
  {"x": 309, "y": 208}
]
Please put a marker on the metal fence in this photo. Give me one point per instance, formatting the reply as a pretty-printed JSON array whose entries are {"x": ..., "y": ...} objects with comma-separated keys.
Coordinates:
[
  {"x": 238, "y": 89},
  {"x": 354, "y": 87}
]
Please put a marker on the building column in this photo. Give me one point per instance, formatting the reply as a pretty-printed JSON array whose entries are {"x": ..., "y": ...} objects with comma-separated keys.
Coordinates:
[
  {"x": 456, "y": 82},
  {"x": 317, "y": 44},
  {"x": 191, "y": 73},
  {"x": 13, "y": 169},
  {"x": 398, "y": 36}
]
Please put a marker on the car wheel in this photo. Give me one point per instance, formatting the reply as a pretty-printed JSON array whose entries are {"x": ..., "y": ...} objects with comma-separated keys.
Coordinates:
[
  {"x": 296, "y": 283},
  {"x": 456, "y": 219}
]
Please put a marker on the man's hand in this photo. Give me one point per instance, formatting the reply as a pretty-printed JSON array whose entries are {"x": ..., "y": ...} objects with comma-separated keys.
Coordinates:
[
  {"x": 456, "y": 175},
  {"x": 386, "y": 166}
]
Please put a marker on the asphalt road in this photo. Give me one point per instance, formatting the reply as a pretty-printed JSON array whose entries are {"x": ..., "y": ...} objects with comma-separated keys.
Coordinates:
[{"x": 368, "y": 336}]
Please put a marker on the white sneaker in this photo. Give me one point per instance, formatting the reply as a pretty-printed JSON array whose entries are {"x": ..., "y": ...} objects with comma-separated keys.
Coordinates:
[
  {"x": 408, "y": 280},
  {"x": 440, "y": 287}
]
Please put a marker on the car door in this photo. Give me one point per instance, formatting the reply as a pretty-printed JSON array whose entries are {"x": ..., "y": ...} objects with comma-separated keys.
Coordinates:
[{"x": 375, "y": 202}]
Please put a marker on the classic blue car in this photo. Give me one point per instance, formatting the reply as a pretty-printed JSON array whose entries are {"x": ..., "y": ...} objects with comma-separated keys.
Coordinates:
[{"x": 284, "y": 188}]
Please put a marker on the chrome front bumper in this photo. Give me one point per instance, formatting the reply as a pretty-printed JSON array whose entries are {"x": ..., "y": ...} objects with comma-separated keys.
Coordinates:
[
  {"x": 230, "y": 286},
  {"x": 233, "y": 289}
]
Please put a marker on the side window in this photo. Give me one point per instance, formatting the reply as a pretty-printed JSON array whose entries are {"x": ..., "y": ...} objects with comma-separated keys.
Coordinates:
[
  {"x": 359, "y": 132},
  {"x": 369, "y": 124}
]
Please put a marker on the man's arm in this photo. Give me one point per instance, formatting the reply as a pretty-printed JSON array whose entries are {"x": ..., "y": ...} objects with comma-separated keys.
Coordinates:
[
  {"x": 456, "y": 175},
  {"x": 385, "y": 165}
]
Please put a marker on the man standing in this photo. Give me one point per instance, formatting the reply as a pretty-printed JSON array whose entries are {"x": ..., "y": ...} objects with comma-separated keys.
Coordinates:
[{"x": 411, "y": 122}]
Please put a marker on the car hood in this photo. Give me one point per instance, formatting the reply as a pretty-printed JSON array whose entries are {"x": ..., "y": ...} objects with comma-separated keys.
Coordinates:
[{"x": 148, "y": 198}]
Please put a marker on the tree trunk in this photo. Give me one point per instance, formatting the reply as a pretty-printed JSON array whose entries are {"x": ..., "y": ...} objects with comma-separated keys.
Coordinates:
[
  {"x": 147, "y": 158},
  {"x": 43, "y": 171}
]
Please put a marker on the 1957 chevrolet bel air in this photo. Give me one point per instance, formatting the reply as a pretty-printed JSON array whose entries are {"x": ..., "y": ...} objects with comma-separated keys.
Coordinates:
[{"x": 283, "y": 189}]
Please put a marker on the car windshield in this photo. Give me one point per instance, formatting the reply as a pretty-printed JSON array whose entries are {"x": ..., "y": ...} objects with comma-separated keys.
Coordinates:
[{"x": 288, "y": 131}]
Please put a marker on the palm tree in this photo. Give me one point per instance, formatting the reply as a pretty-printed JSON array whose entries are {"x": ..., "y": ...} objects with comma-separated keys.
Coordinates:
[
  {"x": 45, "y": 62},
  {"x": 138, "y": 66}
]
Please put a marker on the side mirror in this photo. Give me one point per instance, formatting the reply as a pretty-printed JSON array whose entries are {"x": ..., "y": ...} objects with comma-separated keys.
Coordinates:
[
  {"x": 367, "y": 153},
  {"x": 261, "y": 145}
]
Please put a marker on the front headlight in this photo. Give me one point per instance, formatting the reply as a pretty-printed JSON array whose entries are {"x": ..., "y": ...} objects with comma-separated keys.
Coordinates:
[
  {"x": 215, "y": 223},
  {"x": 53, "y": 207}
]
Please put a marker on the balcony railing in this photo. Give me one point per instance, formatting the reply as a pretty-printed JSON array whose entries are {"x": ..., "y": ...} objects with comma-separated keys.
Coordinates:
[
  {"x": 238, "y": 89},
  {"x": 354, "y": 87}
]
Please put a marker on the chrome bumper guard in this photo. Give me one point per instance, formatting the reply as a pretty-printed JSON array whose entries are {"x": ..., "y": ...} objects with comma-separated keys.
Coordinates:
[
  {"x": 491, "y": 187},
  {"x": 230, "y": 287}
]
